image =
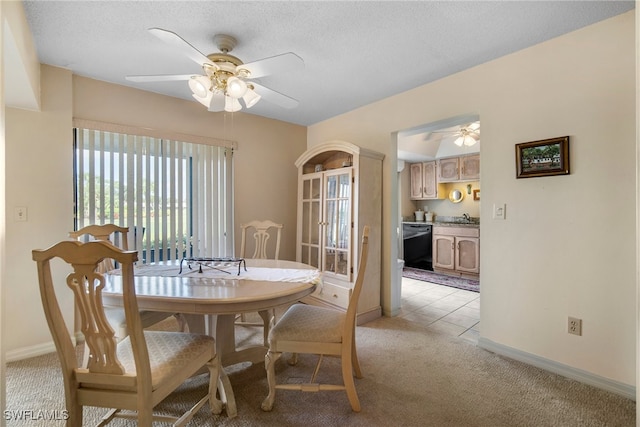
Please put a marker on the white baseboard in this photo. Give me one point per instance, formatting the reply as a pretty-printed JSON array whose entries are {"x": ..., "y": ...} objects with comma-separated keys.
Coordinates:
[
  {"x": 585, "y": 377},
  {"x": 368, "y": 316},
  {"x": 35, "y": 350},
  {"x": 31, "y": 351}
]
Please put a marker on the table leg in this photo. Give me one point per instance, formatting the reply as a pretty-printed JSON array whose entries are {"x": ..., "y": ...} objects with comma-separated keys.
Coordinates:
[
  {"x": 226, "y": 394},
  {"x": 196, "y": 323},
  {"x": 222, "y": 327},
  {"x": 225, "y": 328},
  {"x": 207, "y": 324}
]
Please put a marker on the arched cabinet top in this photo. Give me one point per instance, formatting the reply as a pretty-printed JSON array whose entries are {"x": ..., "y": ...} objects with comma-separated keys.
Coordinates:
[{"x": 330, "y": 151}]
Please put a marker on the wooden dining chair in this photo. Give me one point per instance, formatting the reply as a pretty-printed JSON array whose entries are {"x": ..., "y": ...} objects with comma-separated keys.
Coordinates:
[
  {"x": 134, "y": 374},
  {"x": 322, "y": 331},
  {"x": 115, "y": 315},
  {"x": 261, "y": 235},
  {"x": 263, "y": 249}
]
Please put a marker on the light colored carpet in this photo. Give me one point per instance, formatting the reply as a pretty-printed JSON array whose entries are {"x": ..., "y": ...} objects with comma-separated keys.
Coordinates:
[{"x": 412, "y": 377}]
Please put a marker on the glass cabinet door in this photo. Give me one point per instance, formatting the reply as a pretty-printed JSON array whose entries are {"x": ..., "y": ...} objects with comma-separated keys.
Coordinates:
[
  {"x": 311, "y": 222},
  {"x": 337, "y": 222}
]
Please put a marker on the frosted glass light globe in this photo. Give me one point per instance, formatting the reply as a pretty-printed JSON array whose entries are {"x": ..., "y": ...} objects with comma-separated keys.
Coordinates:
[{"x": 236, "y": 88}]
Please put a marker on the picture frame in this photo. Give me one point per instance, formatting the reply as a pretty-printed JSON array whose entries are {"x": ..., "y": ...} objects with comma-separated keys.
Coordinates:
[
  {"x": 476, "y": 194},
  {"x": 546, "y": 157}
]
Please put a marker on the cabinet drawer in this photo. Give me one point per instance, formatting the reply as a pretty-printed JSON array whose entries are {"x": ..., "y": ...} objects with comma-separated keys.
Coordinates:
[
  {"x": 334, "y": 294},
  {"x": 457, "y": 231}
]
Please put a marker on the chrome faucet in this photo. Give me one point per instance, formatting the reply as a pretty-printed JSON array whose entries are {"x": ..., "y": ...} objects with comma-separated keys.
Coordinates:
[{"x": 466, "y": 217}]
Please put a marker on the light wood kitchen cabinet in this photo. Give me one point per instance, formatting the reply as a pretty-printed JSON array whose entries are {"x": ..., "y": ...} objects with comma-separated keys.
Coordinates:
[
  {"x": 424, "y": 182},
  {"x": 416, "y": 181},
  {"x": 448, "y": 170},
  {"x": 470, "y": 168},
  {"x": 339, "y": 192},
  {"x": 462, "y": 168},
  {"x": 456, "y": 250}
]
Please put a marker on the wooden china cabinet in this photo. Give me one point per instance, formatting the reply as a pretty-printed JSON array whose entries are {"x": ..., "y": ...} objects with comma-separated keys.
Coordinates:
[{"x": 339, "y": 192}]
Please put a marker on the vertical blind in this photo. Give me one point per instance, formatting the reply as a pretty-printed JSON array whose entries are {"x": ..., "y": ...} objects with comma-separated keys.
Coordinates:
[{"x": 175, "y": 197}]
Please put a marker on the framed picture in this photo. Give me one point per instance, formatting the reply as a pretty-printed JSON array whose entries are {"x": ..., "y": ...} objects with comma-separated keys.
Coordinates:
[
  {"x": 543, "y": 158},
  {"x": 476, "y": 194}
]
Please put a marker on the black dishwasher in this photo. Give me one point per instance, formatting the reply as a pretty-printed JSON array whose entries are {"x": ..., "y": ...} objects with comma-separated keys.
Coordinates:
[{"x": 416, "y": 239}]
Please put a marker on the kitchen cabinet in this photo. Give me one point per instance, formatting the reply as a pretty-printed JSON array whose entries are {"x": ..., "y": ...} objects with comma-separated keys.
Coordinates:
[
  {"x": 456, "y": 250},
  {"x": 461, "y": 168},
  {"x": 424, "y": 183},
  {"x": 339, "y": 192},
  {"x": 470, "y": 168}
]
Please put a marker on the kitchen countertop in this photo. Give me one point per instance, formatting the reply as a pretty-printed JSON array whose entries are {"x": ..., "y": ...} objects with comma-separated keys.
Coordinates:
[{"x": 445, "y": 223}]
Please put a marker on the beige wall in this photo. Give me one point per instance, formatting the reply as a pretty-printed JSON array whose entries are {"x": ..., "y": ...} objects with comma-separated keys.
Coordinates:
[
  {"x": 3, "y": 221},
  {"x": 567, "y": 246},
  {"x": 637, "y": 199},
  {"x": 22, "y": 68},
  {"x": 38, "y": 167}
]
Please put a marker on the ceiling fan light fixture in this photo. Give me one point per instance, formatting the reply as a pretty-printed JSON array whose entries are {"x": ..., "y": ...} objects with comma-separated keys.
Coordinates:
[
  {"x": 231, "y": 105},
  {"x": 200, "y": 85},
  {"x": 226, "y": 78},
  {"x": 251, "y": 98},
  {"x": 236, "y": 88},
  {"x": 466, "y": 140},
  {"x": 204, "y": 100},
  {"x": 470, "y": 140},
  {"x": 469, "y": 135}
]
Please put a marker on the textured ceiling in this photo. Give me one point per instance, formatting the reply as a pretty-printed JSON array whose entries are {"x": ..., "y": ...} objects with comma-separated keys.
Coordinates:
[{"x": 355, "y": 52}]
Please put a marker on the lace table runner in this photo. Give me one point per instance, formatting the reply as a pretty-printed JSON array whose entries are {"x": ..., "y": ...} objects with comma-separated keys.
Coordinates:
[{"x": 252, "y": 273}]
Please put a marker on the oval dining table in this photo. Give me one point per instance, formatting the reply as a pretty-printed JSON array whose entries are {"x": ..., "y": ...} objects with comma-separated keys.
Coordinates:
[{"x": 210, "y": 298}]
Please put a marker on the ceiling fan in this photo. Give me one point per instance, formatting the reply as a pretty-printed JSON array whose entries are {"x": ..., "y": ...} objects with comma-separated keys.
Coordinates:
[
  {"x": 467, "y": 134},
  {"x": 226, "y": 78}
]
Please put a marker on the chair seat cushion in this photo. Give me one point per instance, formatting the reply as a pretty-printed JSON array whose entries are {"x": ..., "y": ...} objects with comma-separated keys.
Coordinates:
[
  {"x": 169, "y": 354},
  {"x": 309, "y": 323}
]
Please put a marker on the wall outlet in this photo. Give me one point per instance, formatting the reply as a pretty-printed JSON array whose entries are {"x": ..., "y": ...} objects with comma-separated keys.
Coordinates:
[{"x": 574, "y": 326}]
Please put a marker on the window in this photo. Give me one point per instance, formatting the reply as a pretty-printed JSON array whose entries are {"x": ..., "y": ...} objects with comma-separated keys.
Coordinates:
[{"x": 175, "y": 197}]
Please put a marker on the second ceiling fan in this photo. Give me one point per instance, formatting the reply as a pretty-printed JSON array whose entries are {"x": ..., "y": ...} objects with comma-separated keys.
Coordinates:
[
  {"x": 226, "y": 79},
  {"x": 467, "y": 134}
]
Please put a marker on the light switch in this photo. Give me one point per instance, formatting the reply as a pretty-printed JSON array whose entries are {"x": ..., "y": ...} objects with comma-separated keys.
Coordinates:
[
  {"x": 20, "y": 213},
  {"x": 499, "y": 211}
]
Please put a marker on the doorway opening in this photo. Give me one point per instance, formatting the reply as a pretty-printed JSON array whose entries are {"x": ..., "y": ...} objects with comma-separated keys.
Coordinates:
[{"x": 432, "y": 191}]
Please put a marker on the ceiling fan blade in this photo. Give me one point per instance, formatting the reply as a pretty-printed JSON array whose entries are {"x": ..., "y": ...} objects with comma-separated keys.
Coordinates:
[
  {"x": 275, "y": 64},
  {"x": 475, "y": 126},
  {"x": 160, "y": 78},
  {"x": 175, "y": 40},
  {"x": 217, "y": 102},
  {"x": 274, "y": 97}
]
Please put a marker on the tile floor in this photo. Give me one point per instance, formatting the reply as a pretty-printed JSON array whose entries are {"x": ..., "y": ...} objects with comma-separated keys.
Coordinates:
[{"x": 442, "y": 308}]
